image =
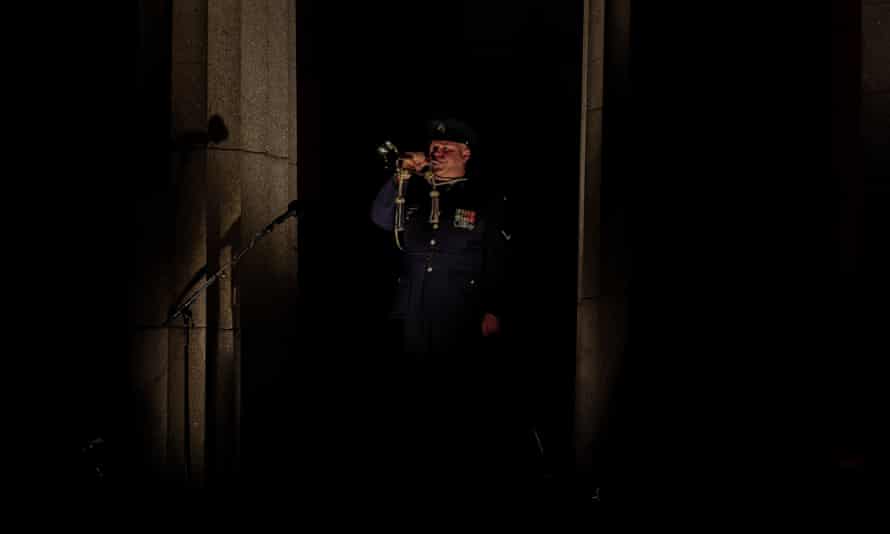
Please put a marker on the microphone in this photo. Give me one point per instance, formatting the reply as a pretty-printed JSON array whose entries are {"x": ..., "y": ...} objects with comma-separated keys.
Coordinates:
[{"x": 294, "y": 209}]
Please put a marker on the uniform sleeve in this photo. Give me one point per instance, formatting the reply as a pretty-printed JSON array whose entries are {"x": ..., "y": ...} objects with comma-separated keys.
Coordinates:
[
  {"x": 383, "y": 208},
  {"x": 497, "y": 252}
]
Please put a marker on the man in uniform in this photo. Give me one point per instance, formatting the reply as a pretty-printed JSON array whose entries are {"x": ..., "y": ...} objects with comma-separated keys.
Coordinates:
[{"x": 449, "y": 296}]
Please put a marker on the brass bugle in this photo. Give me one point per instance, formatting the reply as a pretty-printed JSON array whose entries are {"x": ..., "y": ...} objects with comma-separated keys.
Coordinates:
[{"x": 406, "y": 157}]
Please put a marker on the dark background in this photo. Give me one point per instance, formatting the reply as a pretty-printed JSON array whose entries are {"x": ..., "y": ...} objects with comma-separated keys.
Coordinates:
[{"x": 378, "y": 72}]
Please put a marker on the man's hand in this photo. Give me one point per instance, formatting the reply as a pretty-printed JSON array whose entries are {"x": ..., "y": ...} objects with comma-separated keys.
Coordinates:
[
  {"x": 490, "y": 325},
  {"x": 413, "y": 161}
]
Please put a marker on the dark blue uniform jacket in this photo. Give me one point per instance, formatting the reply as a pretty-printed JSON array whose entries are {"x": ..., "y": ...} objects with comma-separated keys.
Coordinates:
[{"x": 455, "y": 272}]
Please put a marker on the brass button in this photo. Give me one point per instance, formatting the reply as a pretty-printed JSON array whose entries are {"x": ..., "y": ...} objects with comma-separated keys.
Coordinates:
[{"x": 429, "y": 269}]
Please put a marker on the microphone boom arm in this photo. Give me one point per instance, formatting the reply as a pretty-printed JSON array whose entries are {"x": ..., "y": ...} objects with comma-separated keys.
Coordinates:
[{"x": 293, "y": 211}]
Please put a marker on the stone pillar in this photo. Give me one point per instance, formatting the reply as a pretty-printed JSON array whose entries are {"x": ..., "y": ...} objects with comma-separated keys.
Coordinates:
[
  {"x": 234, "y": 59},
  {"x": 186, "y": 434},
  {"x": 863, "y": 177},
  {"x": 149, "y": 450},
  {"x": 876, "y": 93},
  {"x": 251, "y": 176},
  {"x": 601, "y": 282}
]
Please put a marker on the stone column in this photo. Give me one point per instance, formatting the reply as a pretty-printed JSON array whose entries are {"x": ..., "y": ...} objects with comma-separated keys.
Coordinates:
[
  {"x": 234, "y": 59},
  {"x": 863, "y": 177},
  {"x": 251, "y": 176},
  {"x": 153, "y": 449},
  {"x": 601, "y": 251},
  {"x": 876, "y": 96},
  {"x": 186, "y": 435}
]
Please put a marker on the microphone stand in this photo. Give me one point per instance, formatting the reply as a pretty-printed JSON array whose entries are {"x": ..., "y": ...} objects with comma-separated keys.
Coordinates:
[{"x": 184, "y": 310}]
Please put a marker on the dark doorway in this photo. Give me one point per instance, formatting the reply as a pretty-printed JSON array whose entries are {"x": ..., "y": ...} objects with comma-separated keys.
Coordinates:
[{"x": 376, "y": 72}]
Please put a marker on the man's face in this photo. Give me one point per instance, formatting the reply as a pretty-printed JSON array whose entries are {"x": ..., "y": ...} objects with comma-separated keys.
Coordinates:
[{"x": 449, "y": 159}]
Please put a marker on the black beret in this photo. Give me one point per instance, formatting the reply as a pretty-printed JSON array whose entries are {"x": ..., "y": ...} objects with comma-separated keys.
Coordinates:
[{"x": 452, "y": 130}]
